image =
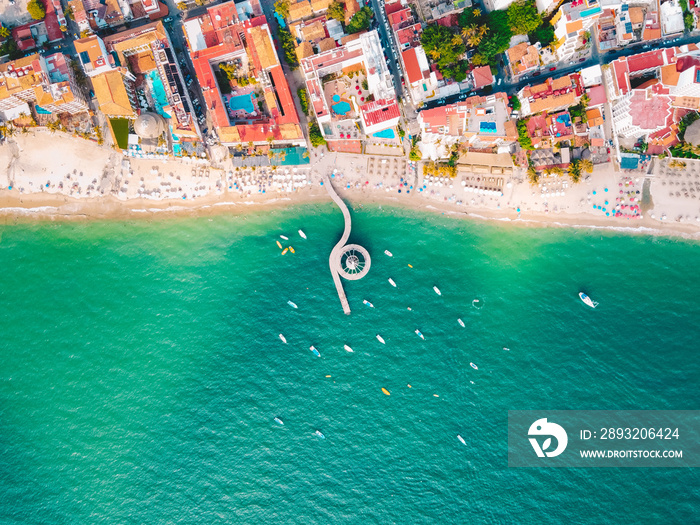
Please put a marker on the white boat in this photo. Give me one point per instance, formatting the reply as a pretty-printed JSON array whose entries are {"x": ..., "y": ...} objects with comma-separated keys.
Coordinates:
[
  {"x": 391, "y": 282},
  {"x": 474, "y": 366},
  {"x": 303, "y": 235},
  {"x": 279, "y": 421},
  {"x": 320, "y": 434},
  {"x": 388, "y": 253},
  {"x": 284, "y": 339},
  {"x": 365, "y": 301},
  {"x": 380, "y": 339},
  {"x": 290, "y": 303},
  {"x": 587, "y": 300},
  {"x": 461, "y": 323},
  {"x": 348, "y": 348},
  {"x": 283, "y": 237},
  {"x": 437, "y": 290},
  {"x": 506, "y": 349},
  {"x": 461, "y": 439},
  {"x": 316, "y": 352},
  {"x": 420, "y": 335}
]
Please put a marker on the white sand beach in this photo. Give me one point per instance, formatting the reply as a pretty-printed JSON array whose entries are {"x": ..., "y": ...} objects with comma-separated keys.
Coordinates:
[{"x": 57, "y": 176}]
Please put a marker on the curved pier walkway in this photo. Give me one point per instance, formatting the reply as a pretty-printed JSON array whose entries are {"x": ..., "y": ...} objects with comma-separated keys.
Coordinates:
[{"x": 336, "y": 252}]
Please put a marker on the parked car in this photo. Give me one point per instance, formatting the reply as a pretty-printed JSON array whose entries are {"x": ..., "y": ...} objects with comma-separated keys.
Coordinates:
[
  {"x": 168, "y": 19},
  {"x": 581, "y": 59},
  {"x": 537, "y": 73},
  {"x": 552, "y": 68}
]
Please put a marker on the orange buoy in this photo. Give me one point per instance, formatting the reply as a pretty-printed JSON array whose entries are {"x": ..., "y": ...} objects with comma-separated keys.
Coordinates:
[{"x": 386, "y": 391}]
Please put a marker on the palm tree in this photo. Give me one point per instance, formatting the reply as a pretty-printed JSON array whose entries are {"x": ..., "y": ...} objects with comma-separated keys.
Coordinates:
[
  {"x": 435, "y": 54},
  {"x": 456, "y": 40},
  {"x": 586, "y": 165},
  {"x": 476, "y": 12}
]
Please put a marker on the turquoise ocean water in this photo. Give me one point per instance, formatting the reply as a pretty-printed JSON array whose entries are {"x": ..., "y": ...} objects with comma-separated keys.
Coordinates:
[{"x": 141, "y": 370}]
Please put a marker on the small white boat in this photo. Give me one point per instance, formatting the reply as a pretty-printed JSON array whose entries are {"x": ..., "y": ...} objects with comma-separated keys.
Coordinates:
[
  {"x": 474, "y": 366},
  {"x": 279, "y": 421},
  {"x": 461, "y": 439},
  {"x": 388, "y": 253},
  {"x": 283, "y": 237},
  {"x": 461, "y": 323},
  {"x": 420, "y": 335},
  {"x": 391, "y": 282},
  {"x": 320, "y": 434},
  {"x": 302, "y": 234},
  {"x": 284, "y": 339},
  {"x": 587, "y": 300},
  {"x": 290, "y": 303},
  {"x": 316, "y": 352},
  {"x": 380, "y": 339},
  {"x": 437, "y": 290},
  {"x": 506, "y": 349},
  {"x": 365, "y": 301},
  {"x": 348, "y": 349}
]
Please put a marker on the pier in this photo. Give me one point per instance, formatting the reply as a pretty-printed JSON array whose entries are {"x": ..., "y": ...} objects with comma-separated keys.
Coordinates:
[{"x": 350, "y": 261}]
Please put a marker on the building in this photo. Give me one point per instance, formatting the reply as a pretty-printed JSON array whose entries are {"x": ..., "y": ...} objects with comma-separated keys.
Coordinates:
[
  {"x": 497, "y": 5},
  {"x": 253, "y": 104},
  {"x": 572, "y": 23},
  {"x": 93, "y": 55},
  {"x": 481, "y": 122},
  {"x": 671, "y": 18},
  {"x": 45, "y": 83},
  {"x": 144, "y": 76},
  {"x": 523, "y": 58},
  {"x": 552, "y": 95},
  {"x": 421, "y": 80},
  {"x": 481, "y": 77},
  {"x": 336, "y": 80}
]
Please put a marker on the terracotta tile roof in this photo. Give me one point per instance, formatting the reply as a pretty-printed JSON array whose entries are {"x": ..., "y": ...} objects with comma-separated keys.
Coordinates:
[
  {"x": 263, "y": 47},
  {"x": 313, "y": 32},
  {"x": 300, "y": 10},
  {"x": 669, "y": 75},
  {"x": 636, "y": 15},
  {"x": 380, "y": 111},
  {"x": 326, "y": 44},
  {"x": 305, "y": 49},
  {"x": 111, "y": 94},
  {"x": 320, "y": 5},
  {"x": 561, "y": 83},
  {"x": 594, "y": 117},
  {"x": 412, "y": 68},
  {"x": 482, "y": 76}
]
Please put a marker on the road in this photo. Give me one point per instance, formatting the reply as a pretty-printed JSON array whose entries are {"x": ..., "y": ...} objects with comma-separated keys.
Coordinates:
[
  {"x": 596, "y": 58},
  {"x": 386, "y": 36}
]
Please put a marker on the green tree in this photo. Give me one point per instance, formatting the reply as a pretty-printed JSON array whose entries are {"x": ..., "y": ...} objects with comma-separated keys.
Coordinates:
[
  {"x": 532, "y": 175},
  {"x": 303, "y": 100},
  {"x": 288, "y": 46},
  {"x": 446, "y": 49},
  {"x": 36, "y": 9},
  {"x": 497, "y": 39},
  {"x": 543, "y": 34},
  {"x": 689, "y": 22},
  {"x": 586, "y": 165},
  {"x": 523, "y": 17},
  {"x": 337, "y": 10},
  {"x": 69, "y": 13},
  {"x": 4, "y": 32},
  {"x": 515, "y": 103},
  {"x": 360, "y": 22},
  {"x": 315, "y": 135},
  {"x": 523, "y": 136},
  {"x": 282, "y": 8},
  {"x": 365, "y": 84}
]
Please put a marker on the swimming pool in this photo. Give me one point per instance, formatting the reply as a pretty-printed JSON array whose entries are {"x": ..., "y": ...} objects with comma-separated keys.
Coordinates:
[
  {"x": 242, "y": 103},
  {"x": 341, "y": 108},
  {"x": 385, "y": 134},
  {"x": 336, "y": 98},
  {"x": 487, "y": 127},
  {"x": 158, "y": 92}
]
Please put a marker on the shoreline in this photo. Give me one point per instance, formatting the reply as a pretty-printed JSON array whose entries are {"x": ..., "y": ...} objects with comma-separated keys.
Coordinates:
[
  {"x": 42, "y": 207},
  {"x": 75, "y": 180}
]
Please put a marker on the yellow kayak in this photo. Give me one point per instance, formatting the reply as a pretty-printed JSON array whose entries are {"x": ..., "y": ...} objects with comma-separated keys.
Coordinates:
[
  {"x": 291, "y": 249},
  {"x": 410, "y": 266},
  {"x": 284, "y": 251},
  {"x": 386, "y": 391},
  {"x": 279, "y": 244}
]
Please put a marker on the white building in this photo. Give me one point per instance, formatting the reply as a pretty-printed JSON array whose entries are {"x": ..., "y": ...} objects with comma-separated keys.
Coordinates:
[
  {"x": 421, "y": 82},
  {"x": 570, "y": 24},
  {"x": 671, "y": 18}
]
